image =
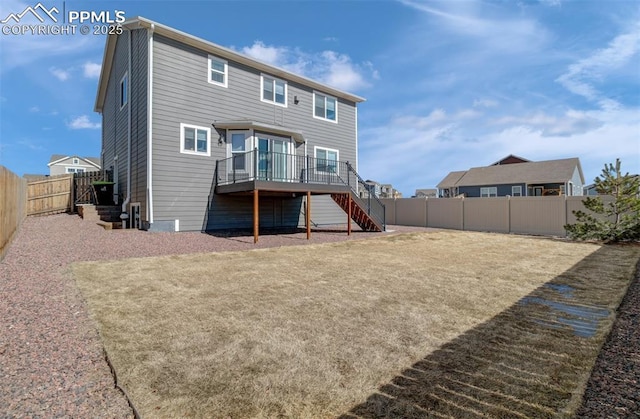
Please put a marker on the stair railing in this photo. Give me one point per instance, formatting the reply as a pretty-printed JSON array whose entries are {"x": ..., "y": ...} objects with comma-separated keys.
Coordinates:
[{"x": 372, "y": 205}]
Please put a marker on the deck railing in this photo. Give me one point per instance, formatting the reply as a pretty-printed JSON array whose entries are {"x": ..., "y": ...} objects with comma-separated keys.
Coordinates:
[{"x": 281, "y": 167}]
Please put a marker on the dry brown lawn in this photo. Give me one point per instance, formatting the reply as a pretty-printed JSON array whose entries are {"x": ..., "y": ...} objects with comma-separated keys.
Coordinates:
[{"x": 324, "y": 330}]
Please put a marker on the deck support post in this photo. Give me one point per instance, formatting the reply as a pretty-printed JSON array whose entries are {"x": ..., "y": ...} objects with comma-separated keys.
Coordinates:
[
  {"x": 348, "y": 214},
  {"x": 307, "y": 215},
  {"x": 256, "y": 215}
]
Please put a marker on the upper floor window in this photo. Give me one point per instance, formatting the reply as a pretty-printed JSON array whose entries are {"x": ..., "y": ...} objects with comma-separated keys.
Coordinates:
[
  {"x": 489, "y": 192},
  {"x": 274, "y": 90},
  {"x": 195, "y": 140},
  {"x": 75, "y": 170},
  {"x": 76, "y": 161},
  {"x": 218, "y": 70},
  {"x": 325, "y": 107},
  {"x": 326, "y": 160},
  {"x": 124, "y": 90}
]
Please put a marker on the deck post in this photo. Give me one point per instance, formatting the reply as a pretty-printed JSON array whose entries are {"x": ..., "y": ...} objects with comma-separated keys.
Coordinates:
[
  {"x": 348, "y": 214},
  {"x": 308, "y": 215},
  {"x": 256, "y": 216}
]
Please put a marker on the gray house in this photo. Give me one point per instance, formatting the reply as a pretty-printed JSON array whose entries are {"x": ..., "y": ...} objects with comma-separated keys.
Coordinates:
[
  {"x": 201, "y": 137},
  {"x": 60, "y": 164},
  {"x": 515, "y": 176}
]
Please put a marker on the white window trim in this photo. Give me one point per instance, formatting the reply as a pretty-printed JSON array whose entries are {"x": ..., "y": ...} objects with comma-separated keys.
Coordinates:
[
  {"x": 315, "y": 156},
  {"x": 273, "y": 102},
  {"x": 513, "y": 192},
  {"x": 124, "y": 99},
  {"x": 488, "y": 189},
  {"x": 195, "y": 152},
  {"x": 248, "y": 138},
  {"x": 75, "y": 170},
  {"x": 313, "y": 111},
  {"x": 210, "y": 69}
]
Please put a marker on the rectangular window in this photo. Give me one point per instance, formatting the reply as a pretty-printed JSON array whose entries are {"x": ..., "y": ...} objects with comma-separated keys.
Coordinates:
[
  {"x": 274, "y": 90},
  {"x": 124, "y": 91},
  {"x": 489, "y": 192},
  {"x": 325, "y": 107},
  {"x": 218, "y": 69},
  {"x": 75, "y": 170},
  {"x": 516, "y": 190},
  {"x": 76, "y": 161},
  {"x": 195, "y": 140},
  {"x": 326, "y": 160},
  {"x": 238, "y": 150}
]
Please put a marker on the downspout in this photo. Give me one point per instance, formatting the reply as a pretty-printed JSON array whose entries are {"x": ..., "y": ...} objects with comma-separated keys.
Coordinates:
[
  {"x": 150, "y": 124},
  {"x": 125, "y": 214}
]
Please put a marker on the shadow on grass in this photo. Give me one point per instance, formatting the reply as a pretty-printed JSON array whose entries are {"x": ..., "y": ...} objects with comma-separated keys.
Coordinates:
[
  {"x": 293, "y": 233},
  {"x": 531, "y": 360}
]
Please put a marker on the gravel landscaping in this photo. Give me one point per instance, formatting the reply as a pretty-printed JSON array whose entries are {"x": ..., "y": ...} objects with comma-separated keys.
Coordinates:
[{"x": 51, "y": 358}]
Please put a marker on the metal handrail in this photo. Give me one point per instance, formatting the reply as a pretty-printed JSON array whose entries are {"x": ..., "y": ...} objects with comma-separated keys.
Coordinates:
[{"x": 282, "y": 167}]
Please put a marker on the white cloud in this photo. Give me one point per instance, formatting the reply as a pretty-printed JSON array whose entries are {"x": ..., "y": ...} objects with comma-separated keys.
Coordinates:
[
  {"x": 484, "y": 103},
  {"x": 60, "y": 74},
  {"x": 329, "y": 67},
  {"x": 429, "y": 147},
  {"x": 582, "y": 77},
  {"x": 83, "y": 122},
  {"x": 21, "y": 50},
  {"x": 91, "y": 70},
  {"x": 512, "y": 34},
  {"x": 571, "y": 123},
  {"x": 272, "y": 55},
  {"x": 34, "y": 109}
]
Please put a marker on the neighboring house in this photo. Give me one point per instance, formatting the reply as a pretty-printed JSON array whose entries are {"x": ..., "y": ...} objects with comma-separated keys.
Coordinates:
[
  {"x": 426, "y": 193},
  {"x": 201, "y": 137},
  {"x": 388, "y": 191},
  {"x": 60, "y": 164},
  {"x": 590, "y": 190},
  {"x": 515, "y": 176},
  {"x": 379, "y": 190},
  {"x": 371, "y": 187}
]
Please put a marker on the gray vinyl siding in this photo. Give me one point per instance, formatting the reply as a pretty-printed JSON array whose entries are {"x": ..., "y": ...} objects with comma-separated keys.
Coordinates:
[
  {"x": 60, "y": 168},
  {"x": 183, "y": 184},
  {"x": 577, "y": 183},
  {"x": 502, "y": 190},
  {"x": 114, "y": 119},
  {"x": 138, "y": 80}
]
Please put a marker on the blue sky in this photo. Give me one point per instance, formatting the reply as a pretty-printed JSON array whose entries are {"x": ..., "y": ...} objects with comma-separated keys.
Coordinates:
[{"x": 449, "y": 84}]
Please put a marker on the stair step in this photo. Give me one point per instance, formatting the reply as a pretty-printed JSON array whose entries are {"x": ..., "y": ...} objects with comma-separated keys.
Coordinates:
[{"x": 358, "y": 214}]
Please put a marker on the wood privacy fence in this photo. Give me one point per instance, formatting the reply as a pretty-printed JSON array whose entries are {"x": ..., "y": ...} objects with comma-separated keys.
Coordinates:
[
  {"x": 538, "y": 215},
  {"x": 13, "y": 203},
  {"x": 50, "y": 195}
]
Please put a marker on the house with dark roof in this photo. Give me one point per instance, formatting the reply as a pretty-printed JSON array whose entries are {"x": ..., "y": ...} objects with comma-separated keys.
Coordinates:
[
  {"x": 515, "y": 176},
  {"x": 60, "y": 164}
]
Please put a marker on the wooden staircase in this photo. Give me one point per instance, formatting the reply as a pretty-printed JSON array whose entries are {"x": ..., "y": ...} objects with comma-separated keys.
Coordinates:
[
  {"x": 359, "y": 214},
  {"x": 107, "y": 216}
]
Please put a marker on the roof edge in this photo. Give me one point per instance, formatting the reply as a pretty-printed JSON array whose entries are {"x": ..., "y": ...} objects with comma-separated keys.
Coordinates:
[{"x": 175, "y": 34}]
